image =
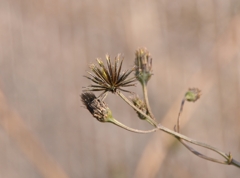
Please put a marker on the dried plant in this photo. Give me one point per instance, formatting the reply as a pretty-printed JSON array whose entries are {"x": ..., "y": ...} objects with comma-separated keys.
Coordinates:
[
  {"x": 110, "y": 79},
  {"x": 96, "y": 107},
  {"x": 143, "y": 63}
]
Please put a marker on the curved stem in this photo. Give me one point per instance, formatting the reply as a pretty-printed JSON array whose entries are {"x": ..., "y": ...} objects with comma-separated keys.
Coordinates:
[
  {"x": 114, "y": 121},
  {"x": 175, "y": 134},
  {"x": 180, "y": 136},
  {"x": 201, "y": 155},
  {"x": 179, "y": 114},
  {"x": 145, "y": 94}
]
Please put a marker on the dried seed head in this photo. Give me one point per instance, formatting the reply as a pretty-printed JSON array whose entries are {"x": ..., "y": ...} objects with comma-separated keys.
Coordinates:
[
  {"x": 140, "y": 104},
  {"x": 109, "y": 77},
  {"x": 193, "y": 94},
  {"x": 96, "y": 107},
  {"x": 143, "y": 63}
]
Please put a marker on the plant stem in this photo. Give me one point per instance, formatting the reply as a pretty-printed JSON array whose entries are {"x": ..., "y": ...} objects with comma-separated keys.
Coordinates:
[
  {"x": 114, "y": 121},
  {"x": 149, "y": 119},
  {"x": 235, "y": 163},
  {"x": 229, "y": 160},
  {"x": 200, "y": 154},
  {"x": 145, "y": 94},
  {"x": 179, "y": 114},
  {"x": 180, "y": 136}
]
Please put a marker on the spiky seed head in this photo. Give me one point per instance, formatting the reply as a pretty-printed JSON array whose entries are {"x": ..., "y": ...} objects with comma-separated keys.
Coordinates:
[
  {"x": 109, "y": 78},
  {"x": 143, "y": 63},
  {"x": 96, "y": 107},
  {"x": 193, "y": 94}
]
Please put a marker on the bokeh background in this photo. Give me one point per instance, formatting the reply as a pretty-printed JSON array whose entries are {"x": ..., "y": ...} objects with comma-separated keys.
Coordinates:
[{"x": 45, "y": 49}]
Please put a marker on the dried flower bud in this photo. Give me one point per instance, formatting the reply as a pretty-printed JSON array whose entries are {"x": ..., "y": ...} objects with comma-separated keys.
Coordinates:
[
  {"x": 96, "y": 107},
  {"x": 193, "y": 94},
  {"x": 140, "y": 104},
  {"x": 143, "y": 63}
]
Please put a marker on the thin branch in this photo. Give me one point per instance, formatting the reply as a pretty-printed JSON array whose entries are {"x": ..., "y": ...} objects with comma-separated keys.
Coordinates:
[
  {"x": 180, "y": 136},
  {"x": 114, "y": 121},
  {"x": 177, "y": 129},
  {"x": 145, "y": 94},
  {"x": 179, "y": 114},
  {"x": 229, "y": 160},
  {"x": 149, "y": 119},
  {"x": 103, "y": 95},
  {"x": 200, "y": 154},
  {"x": 235, "y": 163}
]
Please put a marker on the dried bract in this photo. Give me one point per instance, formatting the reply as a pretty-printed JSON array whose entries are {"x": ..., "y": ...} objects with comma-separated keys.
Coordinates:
[
  {"x": 143, "y": 63},
  {"x": 96, "y": 107}
]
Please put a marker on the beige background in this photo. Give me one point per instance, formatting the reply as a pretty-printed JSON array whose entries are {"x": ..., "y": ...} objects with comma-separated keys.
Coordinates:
[{"x": 45, "y": 49}]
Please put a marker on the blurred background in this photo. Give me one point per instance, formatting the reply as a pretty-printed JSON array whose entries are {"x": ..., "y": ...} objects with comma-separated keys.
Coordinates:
[{"x": 45, "y": 49}]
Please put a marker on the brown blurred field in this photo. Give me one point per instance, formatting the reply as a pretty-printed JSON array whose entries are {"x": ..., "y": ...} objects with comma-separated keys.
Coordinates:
[{"x": 45, "y": 49}]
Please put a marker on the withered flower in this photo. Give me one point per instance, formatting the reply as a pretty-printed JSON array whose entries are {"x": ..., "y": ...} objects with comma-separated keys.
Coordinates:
[
  {"x": 193, "y": 94},
  {"x": 102, "y": 113},
  {"x": 140, "y": 104},
  {"x": 143, "y": 63},
  {"x": 109, "y": 78},
  {"x": 96, "y": 107}
]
